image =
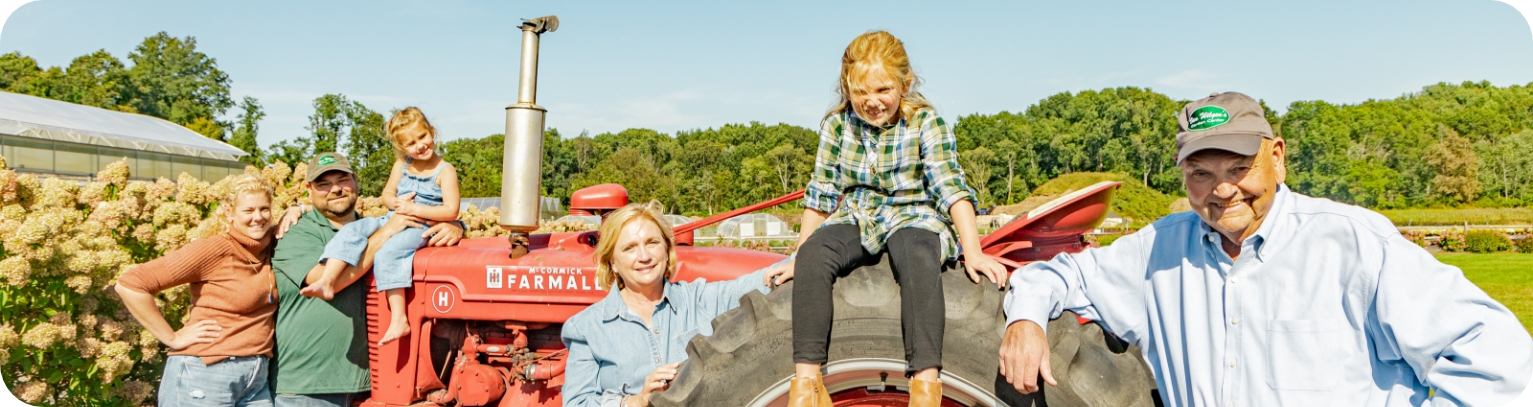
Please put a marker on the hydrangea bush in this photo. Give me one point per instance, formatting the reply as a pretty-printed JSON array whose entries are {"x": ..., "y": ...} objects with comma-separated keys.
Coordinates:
[{"x": 65, "y": 337}]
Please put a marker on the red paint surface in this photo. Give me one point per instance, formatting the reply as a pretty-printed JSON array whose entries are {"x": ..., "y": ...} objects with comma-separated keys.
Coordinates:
[{"x": 536, "y": 293}]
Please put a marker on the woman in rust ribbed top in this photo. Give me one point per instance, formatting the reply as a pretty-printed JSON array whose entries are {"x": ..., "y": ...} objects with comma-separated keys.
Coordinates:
[{"x": 220, "y": 357}]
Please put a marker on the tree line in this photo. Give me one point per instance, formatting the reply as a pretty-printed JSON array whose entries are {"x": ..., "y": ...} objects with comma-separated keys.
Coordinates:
[{"x": 1449, "y": 145}]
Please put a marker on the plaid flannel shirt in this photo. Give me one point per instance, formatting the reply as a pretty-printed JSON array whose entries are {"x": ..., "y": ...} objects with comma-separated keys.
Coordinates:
[{"x": 886, "y": 179}]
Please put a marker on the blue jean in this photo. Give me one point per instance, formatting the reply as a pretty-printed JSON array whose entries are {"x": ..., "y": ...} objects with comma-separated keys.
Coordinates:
[
  {"x": 317, "y": 400},
  {"x": 236, "y": 381},
  {"x": 394, "y": 263}
]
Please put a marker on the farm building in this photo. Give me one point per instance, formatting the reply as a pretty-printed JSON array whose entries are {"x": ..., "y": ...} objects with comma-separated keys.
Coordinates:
[{"x": 66, "y": 140}]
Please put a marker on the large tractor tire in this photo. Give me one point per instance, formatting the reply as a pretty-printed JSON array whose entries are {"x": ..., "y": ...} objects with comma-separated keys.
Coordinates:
[{"x": 748, "y": 360}]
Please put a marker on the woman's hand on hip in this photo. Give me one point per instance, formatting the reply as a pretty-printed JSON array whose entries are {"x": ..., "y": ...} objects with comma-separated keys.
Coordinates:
[{"x": 204, "y": 331}]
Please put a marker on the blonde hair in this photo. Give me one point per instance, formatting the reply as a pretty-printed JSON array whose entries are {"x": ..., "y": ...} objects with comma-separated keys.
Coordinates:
[
  {"x": 878, "y": 48},
  {"x": 239, "y": 185},
  {"x": 402, "y": 119},
  {"x": 611, "y": 228}
]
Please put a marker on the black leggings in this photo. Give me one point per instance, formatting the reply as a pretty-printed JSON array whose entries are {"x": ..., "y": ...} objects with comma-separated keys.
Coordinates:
[{"x": 835, "y": 250}]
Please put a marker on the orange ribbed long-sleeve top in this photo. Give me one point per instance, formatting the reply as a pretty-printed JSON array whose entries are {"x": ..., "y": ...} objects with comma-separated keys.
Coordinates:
[{"x": 231, "y": 283}]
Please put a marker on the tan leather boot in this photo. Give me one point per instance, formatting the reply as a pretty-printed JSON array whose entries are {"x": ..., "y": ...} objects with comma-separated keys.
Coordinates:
[
  {"x": 925, "y": 394},
  {"x": 808, "y": 392}
]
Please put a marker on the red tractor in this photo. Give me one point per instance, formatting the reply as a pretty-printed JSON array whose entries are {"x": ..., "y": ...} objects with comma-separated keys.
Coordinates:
[{"x": 485, "y": 315}]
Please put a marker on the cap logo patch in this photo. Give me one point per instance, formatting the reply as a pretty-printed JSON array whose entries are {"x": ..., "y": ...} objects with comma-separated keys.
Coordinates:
[
  {"x": 1207, "y": 117},
  {"x": 326, "y": 160}
]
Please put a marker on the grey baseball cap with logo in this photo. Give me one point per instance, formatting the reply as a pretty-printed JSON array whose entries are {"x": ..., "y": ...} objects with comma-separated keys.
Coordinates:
[
  {"x": 326, "y": 162},
  {"x": 1228, "y": 121}
]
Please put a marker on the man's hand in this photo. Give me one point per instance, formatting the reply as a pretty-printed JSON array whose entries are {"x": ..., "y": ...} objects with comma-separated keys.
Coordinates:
[
  {"x": 977, "y": 263},
  {"x": 289, "y": 218},
  {"x": 1025, "y": 354},
  {"x": 399, "y": 222},
  {"x": 204, "y": 331},
  {"x": 444, "y": 234}
]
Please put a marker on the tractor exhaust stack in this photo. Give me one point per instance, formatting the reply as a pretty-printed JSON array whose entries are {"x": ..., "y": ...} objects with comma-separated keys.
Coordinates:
[{"x": 521, "y": 186}]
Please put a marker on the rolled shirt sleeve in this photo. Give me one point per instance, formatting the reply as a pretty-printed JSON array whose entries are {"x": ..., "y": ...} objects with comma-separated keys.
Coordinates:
[
  {"x": 944, "y": 178},
  {"x": 1458, "y": 341},
  {"x": 1041, "y": 291},
  {"x": 723, "y": 296},
  {"x": 822, "y": 194}
]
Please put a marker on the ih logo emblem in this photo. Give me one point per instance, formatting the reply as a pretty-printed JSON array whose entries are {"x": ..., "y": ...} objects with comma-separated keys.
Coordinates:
[
  {"x": 492, "y": 277},
  {"x": 443, "y": 298}
]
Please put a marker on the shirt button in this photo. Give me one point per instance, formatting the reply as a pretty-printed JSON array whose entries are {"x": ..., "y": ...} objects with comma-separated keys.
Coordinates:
[
  {"x": 1236, "y": 321},
  {"x": 1234, "y": 280},
  {"x": 1232, "y": 363},
  {"x": 657, "y": 360},
  {"x": 657, "y": 331}
]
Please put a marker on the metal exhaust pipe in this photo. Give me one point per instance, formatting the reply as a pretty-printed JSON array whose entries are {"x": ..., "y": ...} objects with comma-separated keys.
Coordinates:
[{"x": 521, "y": 176}]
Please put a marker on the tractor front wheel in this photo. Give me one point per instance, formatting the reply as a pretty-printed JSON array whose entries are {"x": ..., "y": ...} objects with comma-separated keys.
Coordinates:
[{"x": 748, "y": 360}]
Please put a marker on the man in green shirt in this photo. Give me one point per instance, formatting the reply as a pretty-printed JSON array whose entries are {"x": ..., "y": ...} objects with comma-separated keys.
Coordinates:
[{"x": 321, "y": 352}]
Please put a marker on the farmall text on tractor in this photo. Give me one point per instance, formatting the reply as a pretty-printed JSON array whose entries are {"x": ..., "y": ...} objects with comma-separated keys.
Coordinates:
[{"x": 485, "y": 315}]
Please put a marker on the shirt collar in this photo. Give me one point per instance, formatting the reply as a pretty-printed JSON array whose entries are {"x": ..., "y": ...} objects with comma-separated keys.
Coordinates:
[
  {"x": 1275, "y": 215},
  {"x": 613, "y": 306},
  {"x": 851, "y": 116}
]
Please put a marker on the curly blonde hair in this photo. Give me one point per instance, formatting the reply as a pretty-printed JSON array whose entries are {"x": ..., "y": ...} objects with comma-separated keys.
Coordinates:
[
  {"x": 878, "y": 48},
  {"x": 611, "y": 228},
  {"x": 404, "y": 118},
  {"x": 239, "y": 185}
]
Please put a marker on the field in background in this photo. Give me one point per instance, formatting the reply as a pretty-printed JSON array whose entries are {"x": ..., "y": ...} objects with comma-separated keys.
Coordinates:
[
  {"x": 1506, "y": 277},
  {"x": 1457, "y": 217}
]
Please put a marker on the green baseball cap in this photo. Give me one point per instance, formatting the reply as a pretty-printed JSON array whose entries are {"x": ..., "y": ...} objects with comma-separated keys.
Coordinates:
[
  {"x": 1228, "y": 121},
  {"x": 326, "y": 162}
]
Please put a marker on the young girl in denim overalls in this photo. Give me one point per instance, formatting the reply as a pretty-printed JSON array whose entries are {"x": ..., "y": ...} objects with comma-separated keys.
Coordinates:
[{"x": 422, "y": 186}]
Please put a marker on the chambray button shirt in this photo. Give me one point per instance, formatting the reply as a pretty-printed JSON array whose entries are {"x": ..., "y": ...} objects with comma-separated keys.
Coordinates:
[
  {"x": 612, "y": 350},
  {"x": 1327, "y": 305}
]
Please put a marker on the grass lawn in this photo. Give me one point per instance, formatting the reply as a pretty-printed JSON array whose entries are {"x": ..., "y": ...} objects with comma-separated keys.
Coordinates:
[
  {"x": 1474, "y": 216},
  {"x": 1506, "y": 277}
]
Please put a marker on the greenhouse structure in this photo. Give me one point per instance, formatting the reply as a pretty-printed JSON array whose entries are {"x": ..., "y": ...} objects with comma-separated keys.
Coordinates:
[
  {"x": 755, "y": 225},
  {"x": 66, "y": 140}
]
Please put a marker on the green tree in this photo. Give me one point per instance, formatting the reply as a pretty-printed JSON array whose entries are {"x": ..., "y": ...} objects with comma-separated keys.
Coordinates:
[
  {"x": 1457, "y": 169},
  {"x": 93, "y": 79},
  {"x": 170, "y": 79},
  {"x": 247, "y": 126},
  {"x": 368, "y": 147},
  {"x": 17, "y": 72},
  {"x": 977, "y": 166},
  {"x": 790, "y": 165}
]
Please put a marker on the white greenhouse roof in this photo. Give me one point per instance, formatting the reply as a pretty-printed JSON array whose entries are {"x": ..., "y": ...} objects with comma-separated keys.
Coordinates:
[{"x": 31, "y": 116}]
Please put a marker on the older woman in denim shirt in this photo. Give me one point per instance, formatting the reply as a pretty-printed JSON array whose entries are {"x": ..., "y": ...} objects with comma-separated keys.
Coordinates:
[{"x": 630, "y": 344}]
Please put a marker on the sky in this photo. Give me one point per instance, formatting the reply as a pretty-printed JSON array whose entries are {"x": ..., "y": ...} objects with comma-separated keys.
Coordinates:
[{"x": 682, "y": 65}]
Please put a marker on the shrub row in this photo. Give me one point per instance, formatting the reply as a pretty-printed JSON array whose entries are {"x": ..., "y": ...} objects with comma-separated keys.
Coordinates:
[{"x": 65, "y": 338}]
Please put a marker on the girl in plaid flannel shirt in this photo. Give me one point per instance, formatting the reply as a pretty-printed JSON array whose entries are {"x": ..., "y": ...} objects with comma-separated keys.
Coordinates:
[{"x": 886, "y": 177}]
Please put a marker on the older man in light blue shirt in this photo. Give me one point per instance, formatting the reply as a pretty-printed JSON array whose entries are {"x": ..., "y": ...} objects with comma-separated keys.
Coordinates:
[{"x": 1264, "y": 297}]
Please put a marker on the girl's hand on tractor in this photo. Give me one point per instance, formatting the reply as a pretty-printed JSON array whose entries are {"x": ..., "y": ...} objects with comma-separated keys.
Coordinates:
[
  {"x": 977, "y": 263},
  {"x": 778, "y": 275}
]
